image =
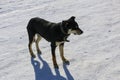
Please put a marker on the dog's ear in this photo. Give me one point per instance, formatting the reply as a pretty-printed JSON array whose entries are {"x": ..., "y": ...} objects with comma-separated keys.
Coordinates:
[
  {"x": 73, "y": 17},
  {"x": 65, "y": 23}
]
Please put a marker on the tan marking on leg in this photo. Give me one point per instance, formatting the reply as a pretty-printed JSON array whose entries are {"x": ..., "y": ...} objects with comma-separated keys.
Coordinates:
[
  {"x": 54, "y": 62},
  {"x": 62, "y": 53},
  {"x": 30, "y": 50},
  {"x": 37, "y": 43}
]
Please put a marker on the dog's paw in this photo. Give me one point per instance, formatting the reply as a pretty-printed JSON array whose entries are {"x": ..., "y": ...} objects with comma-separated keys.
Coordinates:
[
  {"x": 56, "y": 66},
  {"x": 66, "y": 62},
  {"x": 33, "y": 56},
  {"x": 39, "y": 52}
]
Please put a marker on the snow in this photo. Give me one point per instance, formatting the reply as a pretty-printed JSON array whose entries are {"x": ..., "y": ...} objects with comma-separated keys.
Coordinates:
[{"x": 94, "y": 55}]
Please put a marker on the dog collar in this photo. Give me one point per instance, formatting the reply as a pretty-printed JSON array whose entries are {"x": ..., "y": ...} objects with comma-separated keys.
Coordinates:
[{"x": 61, "y": 27}]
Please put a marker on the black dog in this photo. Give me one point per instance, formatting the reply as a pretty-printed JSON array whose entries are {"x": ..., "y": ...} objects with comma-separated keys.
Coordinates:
[{"x": 56, "y": 33}]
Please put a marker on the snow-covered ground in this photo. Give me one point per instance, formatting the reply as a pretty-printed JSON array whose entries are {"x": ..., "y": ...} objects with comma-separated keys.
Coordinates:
[{"x": 94, "y": 55}]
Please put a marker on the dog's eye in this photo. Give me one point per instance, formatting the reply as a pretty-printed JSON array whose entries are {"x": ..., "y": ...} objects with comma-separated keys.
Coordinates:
[{"x": 75, "y": 27}]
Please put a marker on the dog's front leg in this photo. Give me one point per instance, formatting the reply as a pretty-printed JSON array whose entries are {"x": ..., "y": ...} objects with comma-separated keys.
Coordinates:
[
  {"x": 53, "y": 47},
  {"x": 61, "y": 46}
]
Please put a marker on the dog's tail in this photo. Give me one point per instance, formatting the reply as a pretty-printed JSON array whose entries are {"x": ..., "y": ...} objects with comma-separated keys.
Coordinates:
[
  {"x": 29, "y": 24},
  {"x": 30, "y": 30}
]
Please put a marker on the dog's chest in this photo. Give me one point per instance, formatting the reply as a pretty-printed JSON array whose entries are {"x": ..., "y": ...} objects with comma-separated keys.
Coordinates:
[
  {"x": 64, "y": 39},
  {"x": 58, "y": 43}
]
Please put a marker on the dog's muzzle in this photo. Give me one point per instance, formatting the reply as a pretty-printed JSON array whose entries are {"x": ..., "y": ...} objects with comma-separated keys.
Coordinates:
[{"x": 78, "y": 32}]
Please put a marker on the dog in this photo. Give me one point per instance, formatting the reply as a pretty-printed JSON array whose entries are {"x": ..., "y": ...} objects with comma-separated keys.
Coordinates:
[{"x": 56, "y": 33}]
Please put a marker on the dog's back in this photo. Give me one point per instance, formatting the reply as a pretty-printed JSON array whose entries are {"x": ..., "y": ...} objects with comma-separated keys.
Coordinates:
[
  {"x": 37, "y": 25},
  {"x": 40, "y": 26}
]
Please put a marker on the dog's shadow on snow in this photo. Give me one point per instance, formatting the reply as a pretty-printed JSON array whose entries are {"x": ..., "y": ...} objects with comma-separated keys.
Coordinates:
[{"x": 43, "y": 71}]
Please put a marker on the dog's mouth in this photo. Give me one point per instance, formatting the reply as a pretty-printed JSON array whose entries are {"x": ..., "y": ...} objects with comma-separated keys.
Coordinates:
[
  {"x": 75, "y": 32},
  {"x": 78, "y": 32}
]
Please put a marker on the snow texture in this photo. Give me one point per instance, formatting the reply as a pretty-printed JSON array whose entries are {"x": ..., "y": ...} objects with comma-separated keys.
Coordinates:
[{"x": 94, "y": 55}]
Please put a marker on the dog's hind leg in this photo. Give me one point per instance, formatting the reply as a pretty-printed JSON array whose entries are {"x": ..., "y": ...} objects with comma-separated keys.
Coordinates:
[
  {"x": 62, "y": 54},
  {"x": 30, "y": 50},
  {"x": 37, "y": 43},
  {"x": 31, "y": 36}
]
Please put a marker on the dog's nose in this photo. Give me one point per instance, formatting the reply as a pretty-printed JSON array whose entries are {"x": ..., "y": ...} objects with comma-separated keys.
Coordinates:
[{"x": 81, "y": 32}]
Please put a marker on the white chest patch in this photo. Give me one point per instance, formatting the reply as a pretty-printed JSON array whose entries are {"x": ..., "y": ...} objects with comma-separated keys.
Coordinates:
[{"x": 58, "y": 43}]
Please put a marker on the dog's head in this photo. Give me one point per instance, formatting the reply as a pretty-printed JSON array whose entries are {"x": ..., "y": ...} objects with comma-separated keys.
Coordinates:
[{"x": 72, "y": 26}]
